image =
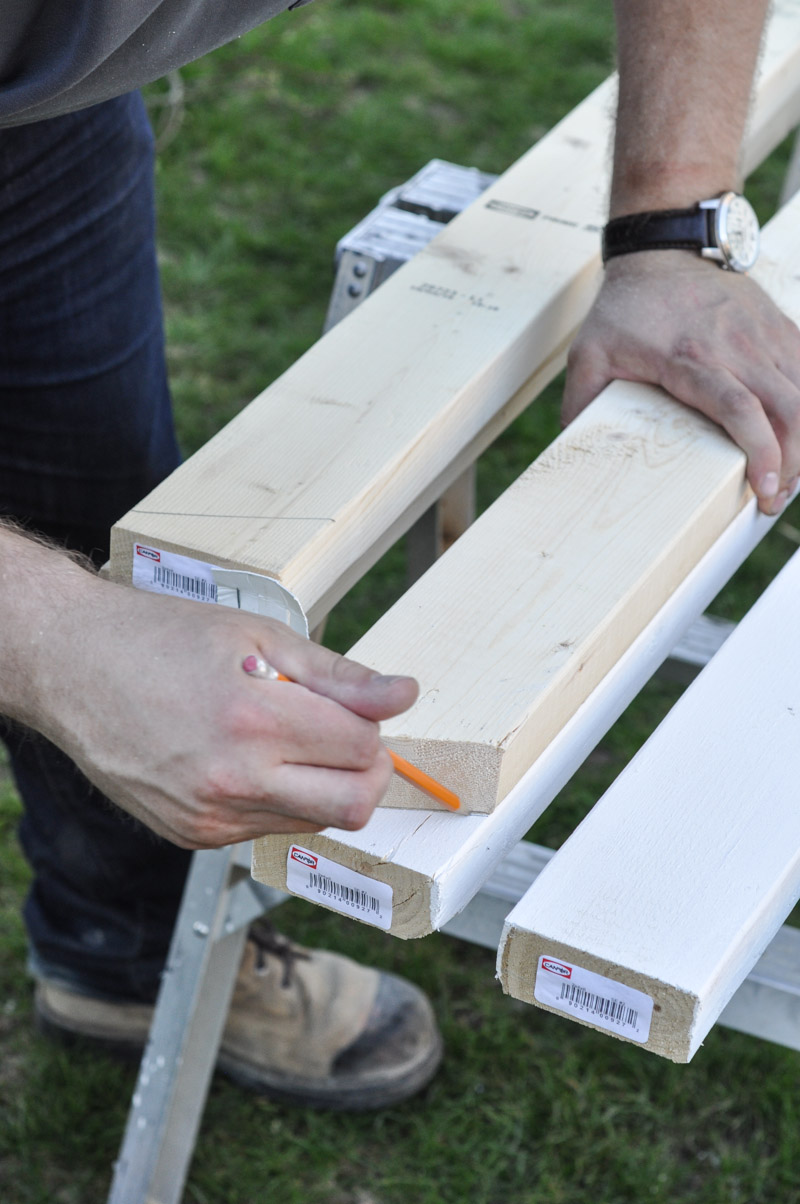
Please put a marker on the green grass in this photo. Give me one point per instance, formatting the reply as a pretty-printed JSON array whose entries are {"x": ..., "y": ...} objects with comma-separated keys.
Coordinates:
[{"x": 289, "y": 137}]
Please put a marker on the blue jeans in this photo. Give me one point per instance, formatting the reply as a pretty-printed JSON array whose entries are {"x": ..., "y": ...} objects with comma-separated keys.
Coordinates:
[{"x": 85, "y": 431}]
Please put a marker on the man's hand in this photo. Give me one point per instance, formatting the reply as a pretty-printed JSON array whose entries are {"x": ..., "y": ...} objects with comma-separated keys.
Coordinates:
[
  {"x": 714, "y": 340},
  {"x": 710, "y": 338},
  {"x": 148, "y": 696}
]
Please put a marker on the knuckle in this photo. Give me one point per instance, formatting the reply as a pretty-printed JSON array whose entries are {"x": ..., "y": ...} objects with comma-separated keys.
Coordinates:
[
  {"x": 577, "y": 355},
  {"x": 346, "y": 672},
  {"x": 689, "y": 349},
  {"x": 355, "y": 813},
  {"x": 219, "y": 783},
  {"x": 365, "y": 746},
  {"x": 737, "y": 401},
  {"x": 582, "y": 355},
  {"x": 245, "y": 721}
]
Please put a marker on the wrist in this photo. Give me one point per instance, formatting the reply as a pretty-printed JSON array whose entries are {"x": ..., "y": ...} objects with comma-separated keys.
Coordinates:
[
  {"x": 723, "y": 229},
  {"x": 665, "y": 186}
]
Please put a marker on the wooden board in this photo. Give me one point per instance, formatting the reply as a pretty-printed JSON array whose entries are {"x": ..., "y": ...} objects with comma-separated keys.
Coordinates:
[
  {"x": 766, "y": 1005},
  {"x": 305, "y": 483},
  {"x": 313, "y": 480},
  {"x": 682, "y": 874},
  {"x": 512, "y": 629},
  {"x": 435, "y": 862}
]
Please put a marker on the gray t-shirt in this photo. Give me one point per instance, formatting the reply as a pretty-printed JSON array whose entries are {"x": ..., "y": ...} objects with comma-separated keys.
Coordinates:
[{"x": 61, "y": 55}]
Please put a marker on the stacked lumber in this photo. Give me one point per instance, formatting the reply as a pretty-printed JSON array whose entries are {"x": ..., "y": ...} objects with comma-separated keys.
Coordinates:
[{"x": 675, "y": 516}]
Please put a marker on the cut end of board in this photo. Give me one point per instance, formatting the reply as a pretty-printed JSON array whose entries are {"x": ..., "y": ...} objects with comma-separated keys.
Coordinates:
[
  {"x": 616, "y": 1001},
  {"x": 471, "y": 771},
  {"x": 383, "y": 895}
]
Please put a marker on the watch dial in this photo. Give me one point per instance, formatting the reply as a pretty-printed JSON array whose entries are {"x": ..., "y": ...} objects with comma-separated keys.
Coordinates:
[{"x": 738, "y": 233}]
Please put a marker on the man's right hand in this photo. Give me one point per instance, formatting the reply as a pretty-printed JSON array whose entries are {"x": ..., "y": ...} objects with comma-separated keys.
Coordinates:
[{"x": 148, "y": 696}]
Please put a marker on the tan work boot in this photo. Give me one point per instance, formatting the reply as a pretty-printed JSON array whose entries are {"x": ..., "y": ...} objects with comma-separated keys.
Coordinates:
[{"x": 305, "y": 1026}]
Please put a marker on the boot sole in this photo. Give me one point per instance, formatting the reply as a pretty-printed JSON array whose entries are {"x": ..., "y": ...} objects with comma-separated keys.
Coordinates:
[{"x": 337, "y": 1097}]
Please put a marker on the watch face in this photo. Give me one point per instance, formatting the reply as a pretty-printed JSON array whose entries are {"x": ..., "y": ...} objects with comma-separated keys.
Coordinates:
[{"x": 737, "y": 232}]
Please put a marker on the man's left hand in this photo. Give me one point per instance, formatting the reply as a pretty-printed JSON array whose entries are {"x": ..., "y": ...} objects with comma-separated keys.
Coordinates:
[{"x": 711, "y": 338}]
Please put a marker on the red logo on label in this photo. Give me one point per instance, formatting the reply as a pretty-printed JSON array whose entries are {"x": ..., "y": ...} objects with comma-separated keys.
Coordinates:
[
  {"x": 150, "y": 553},
  {"x": 556, "y": 967},
  {"x": 303, "y": 857}
]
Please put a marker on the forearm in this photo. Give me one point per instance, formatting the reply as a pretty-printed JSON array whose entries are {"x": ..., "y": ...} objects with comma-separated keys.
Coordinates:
[
  {"x": 686, "y": 72},
  {"x": 42, "y": 592},
  {"x": 148, "y": 696}
]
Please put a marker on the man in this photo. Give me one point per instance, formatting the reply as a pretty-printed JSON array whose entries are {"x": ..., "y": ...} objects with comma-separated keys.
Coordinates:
[{"x": 226, "y": 761}]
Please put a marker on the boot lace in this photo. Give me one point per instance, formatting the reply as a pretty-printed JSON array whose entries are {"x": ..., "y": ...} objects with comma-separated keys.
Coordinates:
[{"x": 268, "y": 940}]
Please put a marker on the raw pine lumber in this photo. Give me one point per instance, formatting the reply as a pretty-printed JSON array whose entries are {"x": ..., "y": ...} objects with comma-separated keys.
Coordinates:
[
  {"x": 434, "y": 863},
  {"x": 682, "y": 874},
  {"x": 512, "y": 629},
  {"x": 314, "y": 479},
  {"x": 327, "y": 467}
]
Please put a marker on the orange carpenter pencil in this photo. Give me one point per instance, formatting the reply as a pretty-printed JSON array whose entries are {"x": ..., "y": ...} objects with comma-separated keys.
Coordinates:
[
  {"x": 257, "y": 667},
  {"x": 424, "y": 782}
]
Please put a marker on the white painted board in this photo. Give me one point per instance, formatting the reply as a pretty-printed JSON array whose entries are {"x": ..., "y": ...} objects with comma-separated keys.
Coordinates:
[{"x": 682, "y": 874}]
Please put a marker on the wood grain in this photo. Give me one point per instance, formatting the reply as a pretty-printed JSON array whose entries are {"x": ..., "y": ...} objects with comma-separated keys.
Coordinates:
[{"x": 514, "y": 626}]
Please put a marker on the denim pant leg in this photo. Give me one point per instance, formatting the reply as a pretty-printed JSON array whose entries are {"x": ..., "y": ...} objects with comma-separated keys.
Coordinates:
[{"x": 85, "y": 431}]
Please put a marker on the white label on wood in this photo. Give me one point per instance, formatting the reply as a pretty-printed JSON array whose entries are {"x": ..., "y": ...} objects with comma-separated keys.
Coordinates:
[
  {"x": 161, "y": 572},
  {"x": 594, "y": 998},
  {"x": 324, "y": 881}
]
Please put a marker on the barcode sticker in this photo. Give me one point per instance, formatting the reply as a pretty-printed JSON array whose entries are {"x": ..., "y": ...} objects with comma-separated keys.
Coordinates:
[
  {"x": 161, "y": 572},
  {"x": 168, "y": 573},
  {"x": 324, "y": 881},
  {"x": 594, "y": 998}
]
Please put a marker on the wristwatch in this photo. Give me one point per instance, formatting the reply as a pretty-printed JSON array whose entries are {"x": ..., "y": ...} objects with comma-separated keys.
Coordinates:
[{"x": 724, "y": 229}]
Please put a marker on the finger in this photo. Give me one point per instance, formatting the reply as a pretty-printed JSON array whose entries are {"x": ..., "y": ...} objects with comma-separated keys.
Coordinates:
[
  {"x": 717, "y": 393},
  {"x": 298, "y": 726},
  {"x": 323, "y": 797},
  {"x": 249, "y": 826},
  {"x": 288, "y": 798},
  {"x": 781, "y": 401},
  {"x": 588, "y": 374},
  {"x": 354, "y": 686}
]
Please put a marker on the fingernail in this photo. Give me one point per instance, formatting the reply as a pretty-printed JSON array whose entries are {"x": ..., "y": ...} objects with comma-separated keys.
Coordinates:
[
  {"x": 780, "y": 502},
  {"x": 381, "y": 680},
  {"x": 256, "y": 666},
  {"x": 769, "y": 485}
]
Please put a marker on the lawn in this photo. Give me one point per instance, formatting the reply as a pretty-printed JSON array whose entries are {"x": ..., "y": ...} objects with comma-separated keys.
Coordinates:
[{"x": 285, "y": 139}]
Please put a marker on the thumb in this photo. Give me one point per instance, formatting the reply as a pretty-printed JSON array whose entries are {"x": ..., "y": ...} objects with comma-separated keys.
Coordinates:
[
  {"x": 587, "y": 375},
  {"x": 361, "y": 690}
]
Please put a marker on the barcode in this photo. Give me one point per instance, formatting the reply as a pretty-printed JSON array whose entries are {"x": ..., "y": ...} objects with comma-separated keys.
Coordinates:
[
  {"x": 344, "y": 894},
  {"x": 195, "y": 587},
  {"x": 599, "y": 1005}
]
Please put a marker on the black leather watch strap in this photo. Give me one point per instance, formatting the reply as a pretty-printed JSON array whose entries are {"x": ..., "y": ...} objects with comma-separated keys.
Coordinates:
[{"x": 687, "y": 229}]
